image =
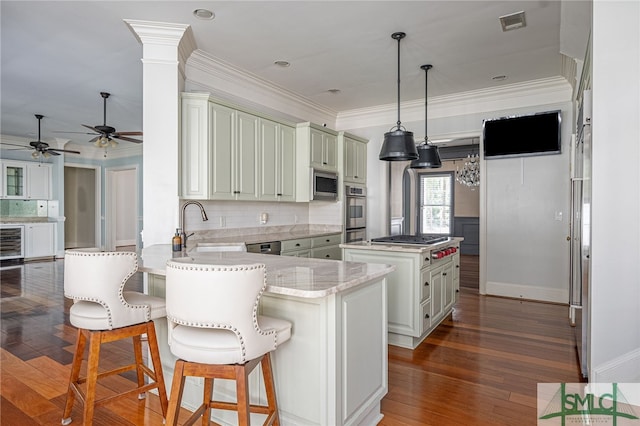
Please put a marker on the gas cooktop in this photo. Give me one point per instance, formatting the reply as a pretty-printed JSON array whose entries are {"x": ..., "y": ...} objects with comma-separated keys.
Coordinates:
[{"x": 410, "y": 239}]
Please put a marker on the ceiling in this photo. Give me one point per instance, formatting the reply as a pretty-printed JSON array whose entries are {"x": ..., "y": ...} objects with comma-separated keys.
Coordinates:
[{"x": 57, "y": 56}]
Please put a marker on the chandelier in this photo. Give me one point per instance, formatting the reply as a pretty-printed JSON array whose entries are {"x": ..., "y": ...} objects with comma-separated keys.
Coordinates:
[{"x": 470, "y": 173}]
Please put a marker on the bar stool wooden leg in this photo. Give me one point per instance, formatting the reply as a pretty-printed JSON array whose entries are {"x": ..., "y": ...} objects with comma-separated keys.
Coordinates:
[
  {"x": 176, "y": 394},
  {"x": 270, "y": 389},
  {"x": 81, "y": 341},
  {"x": 152, "y": 340},
  {"x": 206, "y": 400},
  {"x": 137, "y": 351},
  {"x": 95, "y": 338},
  {"x": 242, "y": 394}
]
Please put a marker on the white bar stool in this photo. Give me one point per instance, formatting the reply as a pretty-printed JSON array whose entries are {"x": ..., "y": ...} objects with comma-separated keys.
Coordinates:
[
  {"x": 103, "y": 313},
  {"x": 216, "y": 332}
]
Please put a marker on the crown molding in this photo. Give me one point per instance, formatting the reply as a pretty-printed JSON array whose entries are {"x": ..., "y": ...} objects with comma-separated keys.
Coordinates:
[
  {"x": 228, "y": 81},
  {"x": 527, "y": 94}
]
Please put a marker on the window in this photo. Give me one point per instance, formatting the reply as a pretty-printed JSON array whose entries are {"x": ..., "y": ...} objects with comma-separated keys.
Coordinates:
[{"x": 436, "y": 203}]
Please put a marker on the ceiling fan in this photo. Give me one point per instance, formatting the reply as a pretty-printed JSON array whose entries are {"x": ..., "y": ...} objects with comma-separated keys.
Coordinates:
[
  {"x": 42, "y": 148},
  {"x": 106, "y": 133}
]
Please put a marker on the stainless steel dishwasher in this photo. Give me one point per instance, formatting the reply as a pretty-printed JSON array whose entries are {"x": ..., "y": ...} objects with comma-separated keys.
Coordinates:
[{"x": 271, "y": 247}]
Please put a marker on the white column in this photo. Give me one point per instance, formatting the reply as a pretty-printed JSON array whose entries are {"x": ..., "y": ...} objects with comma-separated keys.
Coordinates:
[{"x": 165, "y": 48}]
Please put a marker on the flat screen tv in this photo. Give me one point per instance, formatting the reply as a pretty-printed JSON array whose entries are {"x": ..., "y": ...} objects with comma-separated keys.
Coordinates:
[{"x": 522, "y": 135}]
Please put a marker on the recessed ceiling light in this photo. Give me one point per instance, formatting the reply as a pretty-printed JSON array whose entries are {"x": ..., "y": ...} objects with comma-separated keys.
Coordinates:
[
  {"x": 513, "y": 21},
  {"x": 499, "y": 78},
  {"x": 334, "y": 91},
  {"x": 204, "y": 14},
  {"x": 283, "y": 64}
]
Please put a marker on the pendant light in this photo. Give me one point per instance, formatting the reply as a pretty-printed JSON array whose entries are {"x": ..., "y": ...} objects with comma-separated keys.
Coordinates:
[
  {"x": 428, "y": 156},
  {"x": 398, "y": 143}
]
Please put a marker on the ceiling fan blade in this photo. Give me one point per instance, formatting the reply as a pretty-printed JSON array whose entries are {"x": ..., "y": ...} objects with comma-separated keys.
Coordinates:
[
  {"x": 51, "y": 151},
  {"x": 125, "y": 138},
  {"x": 92, "y": 128},
  {"x": 127, "y": 133},
  {"x": 15, "y": 144},
  {"x": 55, "y": 151},
  {"x": 95, "y": 139}
]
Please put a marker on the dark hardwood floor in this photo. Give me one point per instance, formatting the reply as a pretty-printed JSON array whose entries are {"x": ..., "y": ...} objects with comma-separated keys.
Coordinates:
[{"x": 480, "y": 367}]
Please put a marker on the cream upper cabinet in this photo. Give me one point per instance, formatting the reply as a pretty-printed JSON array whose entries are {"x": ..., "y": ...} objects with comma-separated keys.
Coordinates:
[
  {"x": 277, "y": 161},
  {"x": 26, "y": 180},
  {"x": 324, "y": 150},
  {"x": 354, "y": 151},
  {"x": 195, "y": 126},
  {"x": 245, "y": 159}
]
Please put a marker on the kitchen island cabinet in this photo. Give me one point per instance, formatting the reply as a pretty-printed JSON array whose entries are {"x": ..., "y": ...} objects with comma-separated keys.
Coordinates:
[
  {"x": 421, "y": 291},
  {"x": 333, "y": 370}
]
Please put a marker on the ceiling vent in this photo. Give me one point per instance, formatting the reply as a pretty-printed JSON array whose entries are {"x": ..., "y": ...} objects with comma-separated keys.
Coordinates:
[{"x": 513, "y": 21}]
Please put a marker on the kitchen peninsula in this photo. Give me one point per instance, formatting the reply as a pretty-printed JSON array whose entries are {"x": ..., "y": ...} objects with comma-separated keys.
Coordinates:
[{"x": 333, "y": 370}]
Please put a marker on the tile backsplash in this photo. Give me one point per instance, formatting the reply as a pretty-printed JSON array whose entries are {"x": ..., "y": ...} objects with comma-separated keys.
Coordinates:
[{"x": 23, "y": 208}]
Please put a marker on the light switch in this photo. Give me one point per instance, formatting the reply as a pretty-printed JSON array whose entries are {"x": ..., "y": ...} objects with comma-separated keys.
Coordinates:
[{"x": 558, "y": 216}]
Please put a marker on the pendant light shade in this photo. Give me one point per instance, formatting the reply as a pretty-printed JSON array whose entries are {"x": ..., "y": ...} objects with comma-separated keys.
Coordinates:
[
  {"x": 428, "y": 155},
  {"x": 398, "y": 143}
]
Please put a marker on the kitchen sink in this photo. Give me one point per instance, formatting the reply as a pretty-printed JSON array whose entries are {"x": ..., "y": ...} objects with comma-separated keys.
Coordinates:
[{"x": 209, "y": 247}]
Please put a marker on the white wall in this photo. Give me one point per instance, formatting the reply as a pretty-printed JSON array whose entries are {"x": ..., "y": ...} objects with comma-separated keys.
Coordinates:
[{"x": 615, "y": 259}]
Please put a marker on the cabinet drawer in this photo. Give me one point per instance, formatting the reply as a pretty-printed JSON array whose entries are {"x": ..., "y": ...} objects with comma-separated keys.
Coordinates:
[
  {"x": 425, "y": 285},
  {"x": 326, "y": 240},
  {"x": 425, "y": 315},
  {"x": 425, "y": 259},
  {"x": 297, "y": 253},
  {"x": 300, "y": 244},
  {"x": 330, "y": 252}
]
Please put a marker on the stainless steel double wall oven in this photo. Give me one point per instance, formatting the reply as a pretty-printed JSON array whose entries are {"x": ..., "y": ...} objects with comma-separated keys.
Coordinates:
[{"x": 356, "y": 213}]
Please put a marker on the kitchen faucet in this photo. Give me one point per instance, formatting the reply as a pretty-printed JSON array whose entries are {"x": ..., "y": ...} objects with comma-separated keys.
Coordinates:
[{"x": 184, "y": 233}]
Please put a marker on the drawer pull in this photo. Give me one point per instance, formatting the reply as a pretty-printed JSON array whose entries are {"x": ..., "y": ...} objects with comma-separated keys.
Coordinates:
[
  {"x": 297, "y": 244},
  {"x": 444, "y": 274},
  {"x": 326, "y": 255},
  {"x": 426, "y": 259}
]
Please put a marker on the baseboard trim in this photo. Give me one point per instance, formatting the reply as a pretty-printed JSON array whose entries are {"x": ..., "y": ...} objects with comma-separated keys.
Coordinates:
[
  {"x": 623, "y": 369},
  {"x": 519, "y": 291}
]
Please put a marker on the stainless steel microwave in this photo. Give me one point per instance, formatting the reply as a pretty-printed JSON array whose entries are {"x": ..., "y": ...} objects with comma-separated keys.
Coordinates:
[{"x": 324, "y": 185}]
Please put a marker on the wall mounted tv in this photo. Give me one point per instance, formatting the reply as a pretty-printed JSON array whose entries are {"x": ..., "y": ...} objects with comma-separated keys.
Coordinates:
[{"x": 522, "y": 135}]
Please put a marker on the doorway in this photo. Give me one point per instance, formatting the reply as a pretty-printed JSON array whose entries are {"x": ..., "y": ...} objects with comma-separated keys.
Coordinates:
[
  {"x": 81, "y": 206},
  {"x": 121, "y": 208}
]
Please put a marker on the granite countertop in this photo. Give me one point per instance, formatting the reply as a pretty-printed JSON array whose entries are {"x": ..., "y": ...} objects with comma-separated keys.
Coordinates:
[
  {"x": 287, "y": 275},
  {"x": 406, "y": 248},
  {"x": 19, "y": 220}
]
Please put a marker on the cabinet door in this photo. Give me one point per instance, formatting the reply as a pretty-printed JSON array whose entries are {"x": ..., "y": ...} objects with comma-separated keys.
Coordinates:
[
  {"x": 222, "y": 145},
  {"x": 448, "y": 284},
  {"x": 269, "y": 161},
  {"x": 38, "y": 181},
  {"x": 361, "y": 162},
  {"x": 287, "y": 164},
  {"x": 437, "y": 284},
  {"x": 330, "y": 152},
  {"x": 39, "y": 240},
  {"x": 194, "y": 148},
  {"x": 14, "y": 177},
  {"x": 246, "y": 161},
  {"x": 355, "y": 161},
  {"x": 317, "y": 149}
]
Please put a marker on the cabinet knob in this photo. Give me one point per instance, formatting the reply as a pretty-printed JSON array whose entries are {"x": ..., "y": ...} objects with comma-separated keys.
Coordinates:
[
  {"x": 444, "y": 273},
  {"x": 457, "y": 266},
  {"x": 426, "y": 259},
  {"x": 327, "y": 255},
  {"x": 297, "y": 244},
  {"x": 426, "y": 283},
  {"x": 279, "y": 195},
  {"x": 236, "y": 192},
  {"x": 426, "y": 315},
  {"x": 324, "y": 162},
  {"x": 457, "y": 290},
  {"x": 356, "y": 177}
]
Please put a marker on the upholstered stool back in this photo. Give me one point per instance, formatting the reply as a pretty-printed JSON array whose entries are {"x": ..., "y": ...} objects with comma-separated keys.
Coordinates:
[
  {"x": 103, "y": 312},
  {"x": 216, "y": 332}
]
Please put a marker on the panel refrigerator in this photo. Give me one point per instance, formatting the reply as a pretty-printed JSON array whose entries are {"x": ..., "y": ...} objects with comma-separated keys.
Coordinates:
[{"x": 581, "y": 233}]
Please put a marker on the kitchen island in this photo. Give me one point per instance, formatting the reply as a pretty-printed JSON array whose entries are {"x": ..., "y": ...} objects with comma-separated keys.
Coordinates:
[
  {"x": 422, "y": 289},
  {"x": 333, "y": 370}
]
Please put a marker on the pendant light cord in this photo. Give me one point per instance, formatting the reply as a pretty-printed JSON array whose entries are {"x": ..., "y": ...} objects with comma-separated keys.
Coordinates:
[
  {"x": 426, "y": 69},
  {"x": 398, "y": 123}
]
